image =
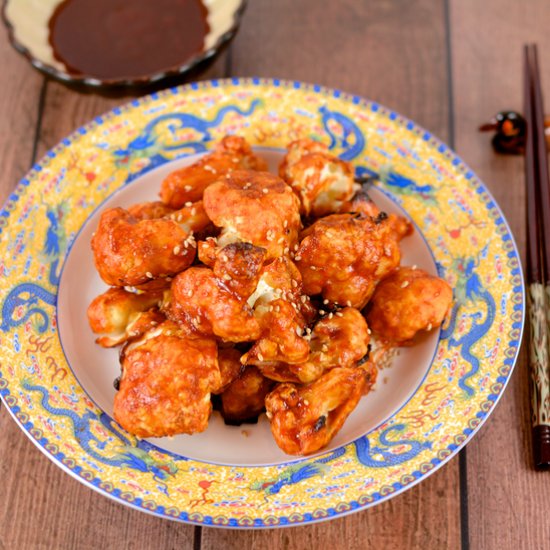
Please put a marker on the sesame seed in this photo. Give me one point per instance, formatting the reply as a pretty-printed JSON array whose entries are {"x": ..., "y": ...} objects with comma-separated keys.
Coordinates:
[
  {"x": 235, "y": 160},
  {"x": 188, "y": 188},
  {"x": 324, "y": 348},
  {"x": 189, "y": 293},
  {"x": 226, "y": 277},
  {"x": 285, "y": 224},
  {"x": 308, "y": 330},
  {"x": 306, "y": 402},
  {"x": 177, "y": 250},
  {"x": 298, "y": 331},
  {"x": 286, "y": 250},
  {"x": 429, "y": 327},
  {"x": 294, "y": 283},
  {"x": 387, "y": 251},
  {"x": 281, "y": 240},
  {"x": 303, "y": 298},
  {"x": 325, "y": 302},
  {"x": 149, "y": 274},
  {"x": 322, "y": 312},
  {"x": 330, "y": 315},
  {"x": 193, "y": 211},
  {"x": 260, "y": 357},
  {"x": 296, "y": 247},
  {"x": 404, "y": 284},
  {"x": 339, "y": 314},
  {"x": 312, "y": 267},
  {"x": 265, "y": 191},
  {"x": 369, "y": 331},
  {"x": 168, "y": 279},
  {"x": 414, "y": 266},
  {"x": 188, "y": 204},
  {"x": 297, "y": 258},
  {"x": 348, "y": 303}
]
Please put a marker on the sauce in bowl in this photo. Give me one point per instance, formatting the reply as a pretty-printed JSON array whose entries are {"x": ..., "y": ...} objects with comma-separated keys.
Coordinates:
[{"x": 121, "y": 38}]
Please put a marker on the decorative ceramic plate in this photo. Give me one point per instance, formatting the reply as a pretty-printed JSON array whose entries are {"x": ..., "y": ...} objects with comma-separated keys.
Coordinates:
[{"x": 427, "y": 403}]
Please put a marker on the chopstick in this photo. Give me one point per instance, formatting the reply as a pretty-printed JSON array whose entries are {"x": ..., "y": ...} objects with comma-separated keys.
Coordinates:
[{"x": 538, "y": 258}]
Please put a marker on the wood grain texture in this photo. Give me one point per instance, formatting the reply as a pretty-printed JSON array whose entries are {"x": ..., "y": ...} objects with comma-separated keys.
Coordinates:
[
  {"x": 508, "y": 500},
  {"x": 392, "y": 52},
  {"x": 20, "y": 93}
]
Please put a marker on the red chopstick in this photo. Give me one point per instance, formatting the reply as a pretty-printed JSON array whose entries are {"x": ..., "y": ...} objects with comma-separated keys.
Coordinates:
[{"x": 538, "y": 257}]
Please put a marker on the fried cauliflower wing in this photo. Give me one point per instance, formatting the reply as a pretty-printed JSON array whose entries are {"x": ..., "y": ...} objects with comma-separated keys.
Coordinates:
[
  {"x": 283, "y": 312},
  {"x": 202, "y": 301},
  {"x": 117, "y": 315},
  {"x": 304, "y": 419},
  {"x": 189, "y": 183},
  {"x": 406, "y": 302},
  {"x": 339, "y": 339},
  {"x": 244, "y": 399},
  {"x": 166, "y": 383},
  {"x": 343, "y": 256},
  {"x": 131, "y": 252},
  {"x": 321, "y": 181},
  {"x": 254, "y": 207}
]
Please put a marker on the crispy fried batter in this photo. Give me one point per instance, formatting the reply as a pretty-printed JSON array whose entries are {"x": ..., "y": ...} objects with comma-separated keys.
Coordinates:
[
  {"x": 229, "y": 363},
  {"x": 337, "y": 340},
  {"x": 406, "y": 302},
  {"x": 321, "y": 181},
  {"x": 244, "y": 399},
  {"x": 254, "y": 207},
  {"x": 202, "y": 301},
  {"x": 166, "y": 383},
  {"x": 191, "y": 218},
  {"x": 239, "y": 265},
  {"x": 283, "y": 312},
  {"x": 149, "y": 210},
  {"x": 343, "y": 256},
  {"x": 117, "y": 315},
  {"x": 189, "y": 183},
  {"x": 130, "y": 252},
  {"x": 304, "y": 419}
]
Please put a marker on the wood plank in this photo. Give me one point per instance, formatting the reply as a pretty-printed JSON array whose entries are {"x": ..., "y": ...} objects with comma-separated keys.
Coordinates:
[
  {"x": 394, "y": 53},
  {"x": 508, "y": 501},
  {"x": 65, "y": 514},
  {"x": 21, "y": 87}
]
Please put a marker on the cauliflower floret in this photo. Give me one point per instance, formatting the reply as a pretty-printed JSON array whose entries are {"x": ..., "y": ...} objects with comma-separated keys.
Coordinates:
[
  {"x": 203, "y": 302},
  {"x": 166, "y": 383},
  {"x": 321, "y": 181},
  {"x": 131, "y": 252},
  {"x": 304, "y": 419},
  {"x": 407, "y": 302},
  {"x": 117, "y": 315},
  {"x": 254, "y": 207},
  {"x": 343, "y": 256},
  {"x": 283, "y": 312},
  {"x": 189, "y": 183},
  {"x": 244, "y": 399}
]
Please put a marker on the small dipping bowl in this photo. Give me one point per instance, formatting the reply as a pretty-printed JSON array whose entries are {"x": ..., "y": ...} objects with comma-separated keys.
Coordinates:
[{"x": 121, "y": 44}]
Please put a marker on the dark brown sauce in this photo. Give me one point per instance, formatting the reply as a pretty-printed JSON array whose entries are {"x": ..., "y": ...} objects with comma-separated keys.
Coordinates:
[{"x": 113, "y": 39}]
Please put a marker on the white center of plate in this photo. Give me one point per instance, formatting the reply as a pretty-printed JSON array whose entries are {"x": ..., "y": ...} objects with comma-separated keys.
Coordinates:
[{"x": 249, "y": 444}]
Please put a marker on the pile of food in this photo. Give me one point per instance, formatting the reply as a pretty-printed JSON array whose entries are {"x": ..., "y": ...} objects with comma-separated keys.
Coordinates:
[{"x": 259, "y": 291}]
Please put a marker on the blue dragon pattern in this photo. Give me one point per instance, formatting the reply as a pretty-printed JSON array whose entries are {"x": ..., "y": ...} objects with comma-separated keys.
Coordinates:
[
  {"x": 130, "y": 456},
  {"x": 469, "y": 288},
  {"x": 147, "y": 145},
  {"x": 366, "y": 453}
]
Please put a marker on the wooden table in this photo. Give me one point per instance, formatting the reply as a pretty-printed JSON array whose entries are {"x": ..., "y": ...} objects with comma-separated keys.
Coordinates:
[{"x": 447, "y": 64}]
